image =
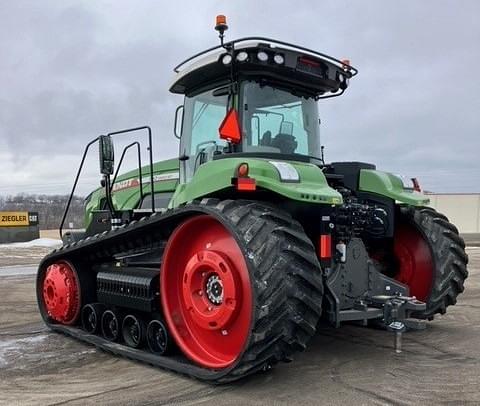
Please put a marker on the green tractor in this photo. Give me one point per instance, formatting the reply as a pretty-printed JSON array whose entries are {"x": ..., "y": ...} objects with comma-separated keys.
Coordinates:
[{"x": 222, "y": 263}]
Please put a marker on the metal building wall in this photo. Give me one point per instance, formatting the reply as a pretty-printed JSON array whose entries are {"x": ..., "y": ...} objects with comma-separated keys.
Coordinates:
[{"x": 463, "y": 210}]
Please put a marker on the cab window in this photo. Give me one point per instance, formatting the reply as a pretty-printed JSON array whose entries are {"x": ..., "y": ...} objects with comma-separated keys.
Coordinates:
[{"x": 202, "y": 117}]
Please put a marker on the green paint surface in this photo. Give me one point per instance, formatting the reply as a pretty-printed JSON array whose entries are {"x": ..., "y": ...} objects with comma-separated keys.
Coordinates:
[
  {"x": 217, "y": 175},
  {"x": 386, "y": 184}
]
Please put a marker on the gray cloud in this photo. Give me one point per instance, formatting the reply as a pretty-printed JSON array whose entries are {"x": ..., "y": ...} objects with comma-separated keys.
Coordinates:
[{"x": 72, "y": 70}]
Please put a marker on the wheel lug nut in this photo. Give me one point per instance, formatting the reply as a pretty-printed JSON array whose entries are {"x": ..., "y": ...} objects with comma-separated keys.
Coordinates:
[{"x": 224, "y": 332}]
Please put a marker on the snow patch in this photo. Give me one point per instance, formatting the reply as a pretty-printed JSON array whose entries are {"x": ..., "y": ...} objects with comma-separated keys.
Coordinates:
[
  {"x": 39, "y": 242},
  {"x": 12, "y": 347}
]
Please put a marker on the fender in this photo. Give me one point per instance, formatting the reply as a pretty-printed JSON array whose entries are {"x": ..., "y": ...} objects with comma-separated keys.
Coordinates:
[
  {"x": 311, "y": 185},
  {"x": 388, "y": 185}
]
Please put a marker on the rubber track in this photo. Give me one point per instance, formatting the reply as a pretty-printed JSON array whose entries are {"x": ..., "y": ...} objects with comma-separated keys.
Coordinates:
[
  {"x": 284, "y": 271},
  {"x": 448, "y": 251}
]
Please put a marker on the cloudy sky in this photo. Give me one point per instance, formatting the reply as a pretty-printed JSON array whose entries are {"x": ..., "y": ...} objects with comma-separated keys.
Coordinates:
[{"x": 70, "y": 70}]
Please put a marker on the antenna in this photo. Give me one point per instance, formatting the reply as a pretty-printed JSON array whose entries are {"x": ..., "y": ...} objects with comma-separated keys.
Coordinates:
[{"x": 221, "y": 26}]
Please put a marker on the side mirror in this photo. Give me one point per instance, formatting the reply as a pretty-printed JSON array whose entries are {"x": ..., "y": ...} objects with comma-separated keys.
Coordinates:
[{"x": 105, "y": 147}]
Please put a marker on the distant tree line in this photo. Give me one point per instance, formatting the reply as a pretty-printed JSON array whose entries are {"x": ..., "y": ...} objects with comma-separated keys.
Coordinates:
[{"x": 50, "y": 208}]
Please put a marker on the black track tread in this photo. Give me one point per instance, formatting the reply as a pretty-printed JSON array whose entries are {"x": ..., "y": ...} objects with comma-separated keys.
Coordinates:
[
  {"x": 284, "y": 270},
  {"x": 448, "y": 251}
]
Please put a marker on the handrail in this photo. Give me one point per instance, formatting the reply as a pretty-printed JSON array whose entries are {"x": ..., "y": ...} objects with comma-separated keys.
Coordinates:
[
  {"x": 145, "y": 127},
  {"x": 65, "y": 212},
  {"x": 128, "y": 130}
]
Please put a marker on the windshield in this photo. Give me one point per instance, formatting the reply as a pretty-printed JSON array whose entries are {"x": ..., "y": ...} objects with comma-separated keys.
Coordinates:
[{"x": 275, "y": 120}]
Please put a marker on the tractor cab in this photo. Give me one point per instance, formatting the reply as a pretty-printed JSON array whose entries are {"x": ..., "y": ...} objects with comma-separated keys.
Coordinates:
[{"x": 254, "y": 97}]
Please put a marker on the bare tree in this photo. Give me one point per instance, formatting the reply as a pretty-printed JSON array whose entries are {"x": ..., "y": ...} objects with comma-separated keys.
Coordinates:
[{"x": 50, "y": 208}]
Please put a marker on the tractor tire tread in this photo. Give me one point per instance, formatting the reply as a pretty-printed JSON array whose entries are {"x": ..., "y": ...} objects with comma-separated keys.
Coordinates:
[
  {"x": 449, "y": 257},
  {"x": 287, "y": 299}
]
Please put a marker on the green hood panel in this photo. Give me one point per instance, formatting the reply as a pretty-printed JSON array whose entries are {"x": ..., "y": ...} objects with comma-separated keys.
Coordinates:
[
  {"x": 217, "y": 175},
  {"x": 126, "y": 191},
  {"x": 386, "y": 184}
]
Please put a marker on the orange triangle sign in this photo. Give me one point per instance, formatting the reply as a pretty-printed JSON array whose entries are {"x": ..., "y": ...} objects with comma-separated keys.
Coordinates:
[{"x": 230, "y": 128}]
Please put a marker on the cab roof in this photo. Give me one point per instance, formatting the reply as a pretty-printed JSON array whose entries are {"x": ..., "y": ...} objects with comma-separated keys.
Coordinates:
[{"x": 300, "y": 69}]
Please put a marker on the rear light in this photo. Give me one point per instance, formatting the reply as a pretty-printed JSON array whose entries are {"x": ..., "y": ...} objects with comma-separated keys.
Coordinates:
[
  {"x": 309, "y": 62},
  {"x": 246, "y": 184},
  {"x": 346, "y": 64},
  {"x": 416, "y": 185},
  {"x": 242, "y": 170},
  {"x": 241, "y": 180},
  {"x": 325, "y": 246}
]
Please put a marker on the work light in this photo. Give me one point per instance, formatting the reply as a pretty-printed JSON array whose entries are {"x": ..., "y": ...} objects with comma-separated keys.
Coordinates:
[
  {"x": 242, "y": 56},
  {"x": 279, "y": 59},
  {"x": 262, "y": 56},
  {"x": 227, "y": 59}
]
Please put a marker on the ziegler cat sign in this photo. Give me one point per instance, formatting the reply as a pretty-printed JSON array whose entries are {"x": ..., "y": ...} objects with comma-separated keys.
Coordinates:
[{"x": 18, "y": 218}]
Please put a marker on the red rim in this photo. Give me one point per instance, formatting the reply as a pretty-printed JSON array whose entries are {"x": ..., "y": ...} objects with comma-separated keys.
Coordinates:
[
  {"x": 415, "y": 262},
  {"x": 61, "y": 293},
  {"x": 206, "y": 292}
]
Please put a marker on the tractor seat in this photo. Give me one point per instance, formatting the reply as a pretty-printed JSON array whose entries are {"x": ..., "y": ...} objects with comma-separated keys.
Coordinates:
[
  {"x": 266, "y": 139},
  {"x": 286, "y": 143}
]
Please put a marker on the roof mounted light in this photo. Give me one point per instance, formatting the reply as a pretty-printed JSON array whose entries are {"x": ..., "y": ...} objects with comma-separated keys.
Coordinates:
[
  {"x": 242, "y": 56},
  {"x": 346, "y": 64},
  {"x": 279, "y": 59},
  {"x": 262, "y": 56},
  {"x": 221, "y": 26},
  {"x": 227, "y": 59}
]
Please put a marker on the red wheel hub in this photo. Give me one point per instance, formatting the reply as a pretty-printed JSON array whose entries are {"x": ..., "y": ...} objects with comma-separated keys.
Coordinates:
[
  {"x": 206, "y": 292},
  {"x": 61, "y": 293},
  {"x": 415, "y": 262}
]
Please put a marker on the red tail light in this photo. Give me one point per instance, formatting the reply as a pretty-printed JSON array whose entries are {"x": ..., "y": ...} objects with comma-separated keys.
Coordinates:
[
  {"x": 325, "y": 246},
  {"x": 416, "y": 185},
  {"x": 246, "y": 184}
]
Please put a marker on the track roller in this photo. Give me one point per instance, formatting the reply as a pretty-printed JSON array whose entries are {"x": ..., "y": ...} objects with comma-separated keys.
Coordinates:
[
  {"x": 111, "y": 325},
  {"x": 91, "y": 315},
  {"x": 133, "y": 331},
  {"x": 158, "y": 339}
]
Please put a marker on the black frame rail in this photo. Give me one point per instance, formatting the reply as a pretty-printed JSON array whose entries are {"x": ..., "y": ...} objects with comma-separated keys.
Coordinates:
[{"x": 85, "y": 152}]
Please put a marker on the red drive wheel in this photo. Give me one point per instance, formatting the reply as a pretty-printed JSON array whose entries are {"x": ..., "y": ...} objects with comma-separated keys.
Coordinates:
[
  {"x": 416, "y": 267},
  {"x": 206, "y": 292},
  {"x": 60, "y": 293}
]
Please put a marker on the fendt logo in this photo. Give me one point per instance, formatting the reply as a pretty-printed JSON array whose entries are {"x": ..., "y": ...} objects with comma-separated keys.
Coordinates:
[{"x": 129, "y": 183}]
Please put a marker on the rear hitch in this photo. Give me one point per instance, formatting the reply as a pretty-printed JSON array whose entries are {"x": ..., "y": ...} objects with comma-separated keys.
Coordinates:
[
  {"x": 398, "y": 328},
  {"x": 397, "y": 313}
]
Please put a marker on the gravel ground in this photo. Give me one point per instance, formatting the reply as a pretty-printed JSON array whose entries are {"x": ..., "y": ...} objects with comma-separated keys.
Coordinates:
[{"x": 350, "y": 365}]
